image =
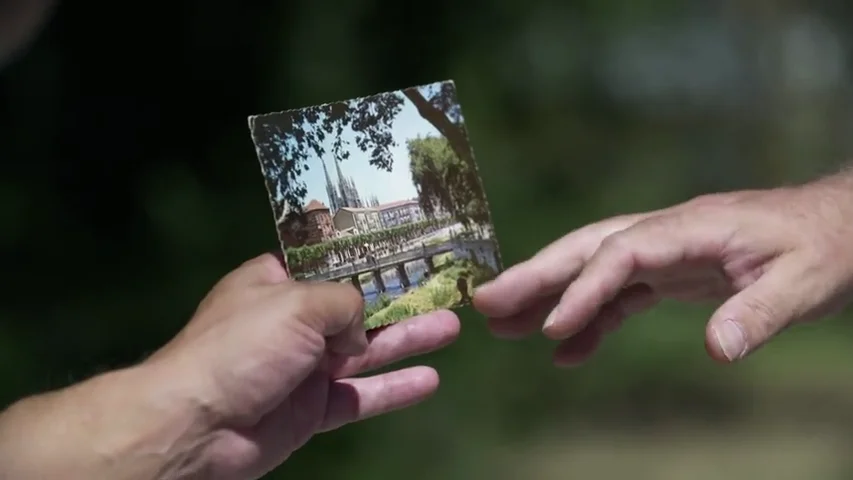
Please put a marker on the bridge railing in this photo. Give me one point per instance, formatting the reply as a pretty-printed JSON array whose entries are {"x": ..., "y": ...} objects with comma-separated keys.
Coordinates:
[
  {"x": 387, "y": 261},
  {"x": 394, "y": 259}
]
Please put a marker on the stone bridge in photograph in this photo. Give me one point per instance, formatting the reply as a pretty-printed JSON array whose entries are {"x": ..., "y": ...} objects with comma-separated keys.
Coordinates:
[{"x": 398, "y": 261}]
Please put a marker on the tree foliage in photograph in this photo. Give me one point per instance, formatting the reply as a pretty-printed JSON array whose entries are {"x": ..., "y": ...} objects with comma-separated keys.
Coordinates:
[
  {"x": 446, "y": 181},
  {"x": 284, "y": 141}
]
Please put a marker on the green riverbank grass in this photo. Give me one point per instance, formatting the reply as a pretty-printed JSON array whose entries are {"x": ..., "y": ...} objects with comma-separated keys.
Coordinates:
[{"x": 438, "y": 293}]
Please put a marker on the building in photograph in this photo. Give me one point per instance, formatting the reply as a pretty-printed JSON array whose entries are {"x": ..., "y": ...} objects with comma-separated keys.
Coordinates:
[
  {"x": 401, "y": 212},
  {"x": 362, "y": 220},
  {"x": 349, "y": 193},
  {"x": 345, "y": 193},
  {"x": 345, "y": 233},
  {"x": 318, "y": 225}
]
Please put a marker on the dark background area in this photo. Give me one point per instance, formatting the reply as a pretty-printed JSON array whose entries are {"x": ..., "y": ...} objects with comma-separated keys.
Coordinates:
[{"x": 129, "y": 185}]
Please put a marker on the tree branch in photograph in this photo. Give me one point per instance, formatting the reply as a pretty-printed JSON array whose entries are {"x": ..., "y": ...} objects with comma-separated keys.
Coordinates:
[{"x": 284, "y": 141}]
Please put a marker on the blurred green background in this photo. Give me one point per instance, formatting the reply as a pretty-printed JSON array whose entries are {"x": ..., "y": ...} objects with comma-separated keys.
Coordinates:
[{"x": 129, "y": 185}]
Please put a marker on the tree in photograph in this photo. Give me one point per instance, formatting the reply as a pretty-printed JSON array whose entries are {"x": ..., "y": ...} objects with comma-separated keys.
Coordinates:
[
  {"x": 444, "y": 180},
  {"x": 284, "y": 141}
]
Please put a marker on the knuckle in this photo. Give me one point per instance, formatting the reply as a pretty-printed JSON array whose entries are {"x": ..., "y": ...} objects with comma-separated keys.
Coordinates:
[
  {"x": 260, "y": 264},
  {"x": 299, "y": 295},
  {"x": 307, "y": 304},
  {"x": 610, "y": 242},
  {"x": 618, "y": 244},
  {"x": 598, "y": 232}
]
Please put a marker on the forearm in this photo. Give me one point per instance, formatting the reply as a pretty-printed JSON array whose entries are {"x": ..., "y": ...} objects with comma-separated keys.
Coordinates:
[{"x": 122, "y": 425}]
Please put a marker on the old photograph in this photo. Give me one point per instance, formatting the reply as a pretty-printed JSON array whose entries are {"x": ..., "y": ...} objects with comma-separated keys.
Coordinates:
[{"x": 382, "y": 192}]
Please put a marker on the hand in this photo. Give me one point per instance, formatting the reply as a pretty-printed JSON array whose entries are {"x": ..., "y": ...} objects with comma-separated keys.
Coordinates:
[
  {"x": 20, "y": 22},
  {"x": 278, "y": 359},
  {"x": 264, "y": 364},
  {"x": 775, "y": 257}
]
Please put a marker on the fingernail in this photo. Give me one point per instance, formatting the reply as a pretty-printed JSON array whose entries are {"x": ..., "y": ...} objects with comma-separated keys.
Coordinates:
[
  {"x": 551, "y": 319},
  {"x": 731, "y": 338}
]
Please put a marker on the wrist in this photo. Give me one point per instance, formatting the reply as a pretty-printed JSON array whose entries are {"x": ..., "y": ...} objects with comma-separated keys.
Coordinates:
[
  {"x": 830, "y": 199},
  {"x": 126, "y": 424}
]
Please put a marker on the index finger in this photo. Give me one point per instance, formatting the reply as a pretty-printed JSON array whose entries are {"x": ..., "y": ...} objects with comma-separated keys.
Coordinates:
[
  {"x": 547, "y": 273},
  {"x": 651, "y": 244}
]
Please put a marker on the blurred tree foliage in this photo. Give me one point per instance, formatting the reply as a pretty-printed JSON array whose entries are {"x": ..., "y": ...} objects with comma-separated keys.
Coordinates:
[{"x": 130, "y": 185}]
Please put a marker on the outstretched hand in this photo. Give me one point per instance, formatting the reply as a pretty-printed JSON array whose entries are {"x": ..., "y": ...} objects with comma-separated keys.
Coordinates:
[{"x": 773, "y": 257}]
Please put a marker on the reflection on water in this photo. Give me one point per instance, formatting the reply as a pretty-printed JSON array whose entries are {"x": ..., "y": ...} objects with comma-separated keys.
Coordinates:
[{"x": 417, "y": 269}]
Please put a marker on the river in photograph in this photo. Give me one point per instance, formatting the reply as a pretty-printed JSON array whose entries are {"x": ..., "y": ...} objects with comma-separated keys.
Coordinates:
[
  {"x": 393, "y": 287},
  {"x": 416, "y": 271}
]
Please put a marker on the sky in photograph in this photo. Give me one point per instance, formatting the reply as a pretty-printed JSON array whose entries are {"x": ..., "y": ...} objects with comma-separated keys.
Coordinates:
[{"x": 386, "y": 186}]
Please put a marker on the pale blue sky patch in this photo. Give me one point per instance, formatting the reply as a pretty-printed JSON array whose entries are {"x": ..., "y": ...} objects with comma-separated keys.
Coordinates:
[{"x": 386, "y": 186}]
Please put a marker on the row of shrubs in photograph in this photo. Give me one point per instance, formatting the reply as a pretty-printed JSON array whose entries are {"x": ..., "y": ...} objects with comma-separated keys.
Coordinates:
[{"x": 311, "y": 257}]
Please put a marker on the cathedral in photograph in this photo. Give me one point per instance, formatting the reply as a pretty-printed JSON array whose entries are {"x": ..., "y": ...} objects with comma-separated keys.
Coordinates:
[{"x": 345, "y": 194}]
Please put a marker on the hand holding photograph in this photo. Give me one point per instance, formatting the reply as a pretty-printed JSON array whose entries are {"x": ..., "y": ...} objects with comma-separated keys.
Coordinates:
[{"x": 383, "y": 192}]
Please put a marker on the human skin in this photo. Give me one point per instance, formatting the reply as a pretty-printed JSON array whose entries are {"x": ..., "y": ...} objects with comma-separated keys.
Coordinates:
[
  {"x": 772, "y": 258},
  {"x": 20, "y": 22},
  {"x": 264, "y": 364}
]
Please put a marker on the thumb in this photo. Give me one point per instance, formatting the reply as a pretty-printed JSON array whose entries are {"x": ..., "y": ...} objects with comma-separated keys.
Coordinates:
[
  {"x": 757, "y": 313},
  {"x": 333, "y": 310}
]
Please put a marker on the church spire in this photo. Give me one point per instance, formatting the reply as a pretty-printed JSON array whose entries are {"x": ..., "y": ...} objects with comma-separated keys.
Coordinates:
[
  {"x": 342, "y": 185},
  {"x": 354, "y": 193},
  {"x": 334, "y": 200}
]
